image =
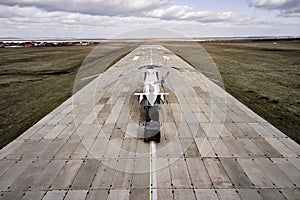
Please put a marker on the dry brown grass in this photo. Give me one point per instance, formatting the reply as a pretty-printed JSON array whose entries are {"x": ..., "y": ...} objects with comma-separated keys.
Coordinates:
[{"x": 34, "y": 81}]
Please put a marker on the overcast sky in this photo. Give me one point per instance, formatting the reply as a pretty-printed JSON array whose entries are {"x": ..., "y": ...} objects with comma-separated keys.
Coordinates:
[{"x": 126, "y": 18}]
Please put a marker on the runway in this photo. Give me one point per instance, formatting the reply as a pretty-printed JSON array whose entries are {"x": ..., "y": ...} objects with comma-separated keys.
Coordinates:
[{"x": 92, "y": 147}]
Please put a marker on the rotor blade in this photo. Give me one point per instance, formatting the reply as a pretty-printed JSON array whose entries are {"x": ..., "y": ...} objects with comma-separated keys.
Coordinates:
[
  {"x": 123, "y": 68},
  {"x": 168, "y": 67},
  {"x": 169, "y": 84},
  {"x": 175, "y": 68},
  {"x": 119, "y": 79},
  {"x": 167, "y": 74},
  {"x": 128, "y": 67},
  {"x": 163, "y": 87},
  {"x": 111, "y": 83},
  {"x": 85, "y": 78}
]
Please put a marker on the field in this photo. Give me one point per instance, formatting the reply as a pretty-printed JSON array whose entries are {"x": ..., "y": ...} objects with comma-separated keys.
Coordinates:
[
  {"x": 265, "y": 76},
  {"x": 34, "y": 81},
  {"x": 262, "y": 75}
]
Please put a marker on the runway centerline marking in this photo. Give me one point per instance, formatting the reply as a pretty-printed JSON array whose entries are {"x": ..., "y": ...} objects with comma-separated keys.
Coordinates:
[
  {"x": 152, "y": 185},
  {"x": 151, "y": 62}
]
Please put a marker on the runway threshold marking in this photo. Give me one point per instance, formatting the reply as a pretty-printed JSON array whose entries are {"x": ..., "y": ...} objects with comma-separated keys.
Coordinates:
[{"x": 152, "y": 184}]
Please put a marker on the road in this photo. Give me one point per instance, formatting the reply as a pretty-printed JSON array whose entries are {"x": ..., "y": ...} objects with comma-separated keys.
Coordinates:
[{"x": 92, "y": 147}]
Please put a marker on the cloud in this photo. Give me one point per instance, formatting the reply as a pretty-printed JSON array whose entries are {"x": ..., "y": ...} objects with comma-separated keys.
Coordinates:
[
  {"x": 96, "y": 18},
  {"x": 36, "y": 15},
  {"x": 287, "y": 8},
  {"x": 188, "y": 13},
  {"x": 93, "y": 7},
  {"x": 117, "y": 8},
  {"x": 275, "y": 4},
  {"x": 32, "y": 21},
  {"x": 125, "y": 8}
]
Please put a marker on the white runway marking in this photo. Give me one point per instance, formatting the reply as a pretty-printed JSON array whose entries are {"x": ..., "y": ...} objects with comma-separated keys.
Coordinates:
[
  {"x": 153, "y": 184},
  {"x": 135, "y": 58},
  {"x": 166, "y": 57},
  {"x": 151, "y": 62}
]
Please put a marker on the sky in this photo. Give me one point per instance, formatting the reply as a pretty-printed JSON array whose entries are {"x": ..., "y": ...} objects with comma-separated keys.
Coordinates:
[{"x": 134, "y": 18}]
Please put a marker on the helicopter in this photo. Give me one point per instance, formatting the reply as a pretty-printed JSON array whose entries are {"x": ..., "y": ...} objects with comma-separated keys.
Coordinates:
[
  {"x": 151, "y": 94},
  {"x": 151, "y": 97}
]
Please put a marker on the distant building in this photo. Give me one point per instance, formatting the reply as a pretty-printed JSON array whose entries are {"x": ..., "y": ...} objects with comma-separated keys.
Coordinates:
[{"x": 28, "y": 44}]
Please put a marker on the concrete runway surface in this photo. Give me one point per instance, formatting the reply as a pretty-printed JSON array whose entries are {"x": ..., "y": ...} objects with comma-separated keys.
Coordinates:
[{"x": 91, "y": 146}]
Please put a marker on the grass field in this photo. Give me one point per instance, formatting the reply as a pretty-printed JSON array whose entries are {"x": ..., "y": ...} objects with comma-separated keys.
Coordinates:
[
  {"x": 34, "y": 81},
  {"x": 262, "y": 75},
  {"x": 265, "y": 76}
]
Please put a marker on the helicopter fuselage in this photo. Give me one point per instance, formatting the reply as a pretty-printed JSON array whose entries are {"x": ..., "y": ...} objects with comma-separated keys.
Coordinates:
[{"x": 151, "y": 94}]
